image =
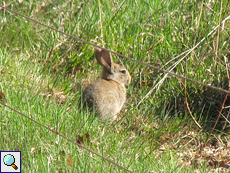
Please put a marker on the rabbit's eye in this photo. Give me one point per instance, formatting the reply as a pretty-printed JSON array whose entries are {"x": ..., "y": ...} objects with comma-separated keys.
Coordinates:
[{"x": 123, "y": 71}]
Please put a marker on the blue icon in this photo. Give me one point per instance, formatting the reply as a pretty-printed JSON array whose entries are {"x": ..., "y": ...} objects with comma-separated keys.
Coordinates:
[{"x": 9, "y": 160}]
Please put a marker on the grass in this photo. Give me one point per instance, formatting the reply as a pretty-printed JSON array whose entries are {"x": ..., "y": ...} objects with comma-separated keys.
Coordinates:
[{"x": 43, "y": 73}]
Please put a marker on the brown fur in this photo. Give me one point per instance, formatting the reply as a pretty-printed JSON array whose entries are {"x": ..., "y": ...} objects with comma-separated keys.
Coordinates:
[{"x": 107, "y": 94}]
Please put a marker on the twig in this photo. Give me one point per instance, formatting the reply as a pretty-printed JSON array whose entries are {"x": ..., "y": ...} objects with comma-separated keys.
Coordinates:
[
  {"x": 226, "y": 66},
  {"x": 187, "y": 53},
  {"x": 187, "y": 104},
  {"x": 158, "y": 85},
  {"x": 222, "y": 107},
  {"x": 185, "y": 96},
  {"x": 101, "y": 27}
]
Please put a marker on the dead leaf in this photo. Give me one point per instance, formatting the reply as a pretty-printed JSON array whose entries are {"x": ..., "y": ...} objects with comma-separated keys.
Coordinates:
[
  {"x": 7, "y": 5},
  {"x": 32, "y": 150},
  {"x": 2, "y": 96},
  {"x": 146, "y": 83},
  {"x": 17, "y": 149},
  {"x": 69, "y": 160},
  {"x": 81, "y": 139},
  {"x": 164, "y": 137}
]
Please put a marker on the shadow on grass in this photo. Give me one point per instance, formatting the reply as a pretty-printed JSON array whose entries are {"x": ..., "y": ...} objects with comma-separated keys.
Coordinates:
[{"x": 205, "y": 105}]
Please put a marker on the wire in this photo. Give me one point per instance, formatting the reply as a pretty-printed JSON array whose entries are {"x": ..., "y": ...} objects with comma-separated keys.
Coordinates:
[
  {"x": 140, "y": 62},
  {"x": 94, "y": 45},
  {"x": 81, "y": 146}
]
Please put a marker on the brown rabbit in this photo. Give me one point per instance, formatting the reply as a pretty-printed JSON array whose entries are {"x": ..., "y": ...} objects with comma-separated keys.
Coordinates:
[{"x": 107, "y": 94}]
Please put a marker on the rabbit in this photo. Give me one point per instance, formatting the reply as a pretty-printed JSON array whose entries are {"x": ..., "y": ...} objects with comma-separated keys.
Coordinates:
[{"x": 107, "y": 95}]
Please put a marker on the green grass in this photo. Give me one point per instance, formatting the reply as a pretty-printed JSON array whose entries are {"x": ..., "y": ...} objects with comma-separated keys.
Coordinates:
[{"x": 43, "y": 73}]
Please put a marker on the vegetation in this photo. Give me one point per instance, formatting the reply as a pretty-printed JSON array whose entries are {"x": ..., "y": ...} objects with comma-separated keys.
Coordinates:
[{"x": 43, "y": 73}]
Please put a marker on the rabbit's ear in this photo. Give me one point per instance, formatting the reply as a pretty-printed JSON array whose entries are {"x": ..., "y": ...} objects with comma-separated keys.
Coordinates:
[{"x": 104, "y": 58}]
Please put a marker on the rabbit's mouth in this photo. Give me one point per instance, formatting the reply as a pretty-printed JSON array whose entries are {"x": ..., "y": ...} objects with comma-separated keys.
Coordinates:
[{"x": 128, "y": 81}]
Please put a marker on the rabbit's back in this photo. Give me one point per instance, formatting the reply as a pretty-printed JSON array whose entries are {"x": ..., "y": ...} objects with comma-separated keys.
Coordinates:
[{"x": 107, "y": 96}]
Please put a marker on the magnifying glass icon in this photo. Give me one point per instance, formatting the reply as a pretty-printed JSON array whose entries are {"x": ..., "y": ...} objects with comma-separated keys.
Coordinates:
[{"x": 9, "y": 160}]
